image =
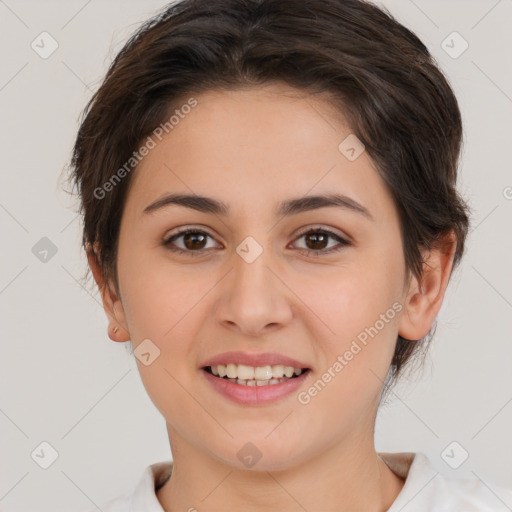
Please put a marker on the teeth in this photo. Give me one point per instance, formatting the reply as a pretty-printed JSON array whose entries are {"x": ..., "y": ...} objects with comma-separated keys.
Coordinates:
[
  {"x": 246, "y": 382},
  {"x": 260, "y": 376},
  {"x": 278, "y": 371},
  {"x": 231, "y": 371},
  {"x": 262, "y": 372}
]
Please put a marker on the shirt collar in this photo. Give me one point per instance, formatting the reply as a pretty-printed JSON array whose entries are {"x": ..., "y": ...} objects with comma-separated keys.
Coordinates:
[{"x": 406, "y": 465}]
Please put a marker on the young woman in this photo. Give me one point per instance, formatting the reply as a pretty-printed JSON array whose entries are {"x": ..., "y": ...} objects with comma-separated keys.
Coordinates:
[{"x": 268, "y": 190}]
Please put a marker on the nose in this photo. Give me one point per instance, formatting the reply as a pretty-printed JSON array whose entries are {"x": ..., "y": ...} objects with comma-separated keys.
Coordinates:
[{"x": 253, "y": 298}]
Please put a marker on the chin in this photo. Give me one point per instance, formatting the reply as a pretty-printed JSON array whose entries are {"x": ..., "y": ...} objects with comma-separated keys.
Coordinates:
[{"x": 256, "y": 455}]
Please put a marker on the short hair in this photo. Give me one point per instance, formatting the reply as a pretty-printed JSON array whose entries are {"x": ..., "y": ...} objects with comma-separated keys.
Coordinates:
[{"x": 378, "y": 74}]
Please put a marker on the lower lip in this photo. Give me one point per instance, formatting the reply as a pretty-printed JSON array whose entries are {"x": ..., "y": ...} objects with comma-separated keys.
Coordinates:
[{"x": 255, "y": 395}]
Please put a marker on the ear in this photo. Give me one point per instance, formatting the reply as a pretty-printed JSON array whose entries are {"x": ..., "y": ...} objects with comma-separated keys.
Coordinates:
[
  {"x": 425, "y": 295},
  {"x": 111, "y": 302}
]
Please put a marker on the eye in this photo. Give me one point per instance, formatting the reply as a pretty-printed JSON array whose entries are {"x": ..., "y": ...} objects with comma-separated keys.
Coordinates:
[
  {"x": 194, "y": 241},
  {"x": 317, "y": 238}
]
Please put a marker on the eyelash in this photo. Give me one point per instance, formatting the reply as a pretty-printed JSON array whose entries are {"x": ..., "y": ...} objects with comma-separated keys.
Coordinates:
[{"x": 342, "y": 242}]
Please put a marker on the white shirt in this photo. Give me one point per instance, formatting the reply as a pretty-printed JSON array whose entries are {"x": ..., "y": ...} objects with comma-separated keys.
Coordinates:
[{"x": 425, "y": 489}]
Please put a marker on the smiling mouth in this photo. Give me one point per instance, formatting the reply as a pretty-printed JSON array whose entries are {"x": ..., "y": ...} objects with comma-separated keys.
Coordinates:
[{"x": 261, "y": 376}]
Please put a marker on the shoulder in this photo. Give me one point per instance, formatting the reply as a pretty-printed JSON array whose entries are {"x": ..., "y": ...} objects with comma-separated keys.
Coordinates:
[
  {"x": 427, "y": 489},
  {"x": 143, "y": 496},
  {"x": 472, "y": 494},
  {"x": 119, "y": 504}
]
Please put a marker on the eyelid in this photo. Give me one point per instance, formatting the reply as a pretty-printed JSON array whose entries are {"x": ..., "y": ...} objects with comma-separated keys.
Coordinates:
[
  {"x": 319, "y": 227},
  {"x": 180, "y": 230},
  {"x": 328, "y": 229}
]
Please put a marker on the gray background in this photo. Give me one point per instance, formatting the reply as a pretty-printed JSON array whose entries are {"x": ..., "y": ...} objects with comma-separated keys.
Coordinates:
[{"x": 64, "y": 382}]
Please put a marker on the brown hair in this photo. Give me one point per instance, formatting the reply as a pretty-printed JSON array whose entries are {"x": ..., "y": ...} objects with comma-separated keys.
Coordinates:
[{"x": 377, "y": 72}]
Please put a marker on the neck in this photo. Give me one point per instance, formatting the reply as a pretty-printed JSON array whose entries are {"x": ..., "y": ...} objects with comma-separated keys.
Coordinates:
[{"x": 344, "y": 477}]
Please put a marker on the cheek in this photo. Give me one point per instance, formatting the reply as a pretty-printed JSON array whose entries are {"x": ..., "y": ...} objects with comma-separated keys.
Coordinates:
[
  {"x": 356, "y": 310},
  {"x": 159, "y": 304},
  {"x": 156, "y": 295},
  {"x": 343, "y": 300},
  {"x": 356, "y": 358}
]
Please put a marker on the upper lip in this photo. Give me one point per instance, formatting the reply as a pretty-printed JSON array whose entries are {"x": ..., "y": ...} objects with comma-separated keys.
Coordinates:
[{"x": 255, "y": 360}]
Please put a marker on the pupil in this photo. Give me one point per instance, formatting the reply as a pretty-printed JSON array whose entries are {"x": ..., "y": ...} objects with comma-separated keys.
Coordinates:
[
  {"x": 190, "y": 236},
  {"x": 315, "y": 237}
]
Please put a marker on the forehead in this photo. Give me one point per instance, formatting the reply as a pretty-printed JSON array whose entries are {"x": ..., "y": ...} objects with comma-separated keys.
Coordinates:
[
  {"x": 252, "y": 145},
  {"x": 273, "y": 117}
]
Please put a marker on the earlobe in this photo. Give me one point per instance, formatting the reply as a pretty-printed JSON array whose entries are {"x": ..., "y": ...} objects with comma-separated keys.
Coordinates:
[
  {"x": 118, "y": 333},
  {"x": 118, "y": 330},
  {"x": 426, "y": 293}
]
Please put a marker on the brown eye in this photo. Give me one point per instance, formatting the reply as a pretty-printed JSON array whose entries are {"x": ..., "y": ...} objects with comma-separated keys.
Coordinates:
[
  {"x": 317, "y": 240},
  {"x": 193, "y": 242}
]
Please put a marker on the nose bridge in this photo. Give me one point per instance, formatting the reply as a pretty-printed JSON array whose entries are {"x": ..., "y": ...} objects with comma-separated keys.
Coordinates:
[
  {"x": 253, "y": 297},
  {"x": 251, "y": 275}
]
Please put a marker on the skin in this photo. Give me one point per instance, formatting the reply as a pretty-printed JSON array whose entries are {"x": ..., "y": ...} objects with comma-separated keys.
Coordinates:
[{"x": 251, "y": 149}]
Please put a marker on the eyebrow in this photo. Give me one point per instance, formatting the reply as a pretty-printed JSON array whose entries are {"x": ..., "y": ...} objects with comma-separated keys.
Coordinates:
[{"x": 285, "y": 208}]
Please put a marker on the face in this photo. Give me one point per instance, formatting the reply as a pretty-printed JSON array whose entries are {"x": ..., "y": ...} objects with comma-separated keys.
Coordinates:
[{"x": 317, "y": 283}]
